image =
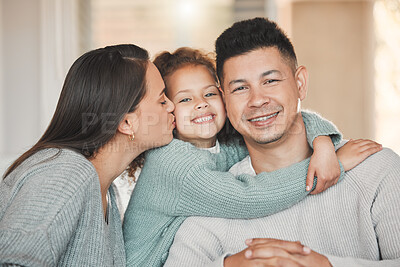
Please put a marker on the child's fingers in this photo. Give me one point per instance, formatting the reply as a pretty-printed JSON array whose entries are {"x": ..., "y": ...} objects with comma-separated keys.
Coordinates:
[
  {"x": 363, "y": 142},
  {"x": 369, "y": 145},
  {"x": 321, "y": 186},
  {"x": 356, "y": 141},
  {"x": 310, "y": 178},
  {"x": 371, "y": 150}
]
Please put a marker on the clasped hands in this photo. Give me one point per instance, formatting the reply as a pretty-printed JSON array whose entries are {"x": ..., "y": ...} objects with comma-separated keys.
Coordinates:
[{"x": 263, "y": 252}]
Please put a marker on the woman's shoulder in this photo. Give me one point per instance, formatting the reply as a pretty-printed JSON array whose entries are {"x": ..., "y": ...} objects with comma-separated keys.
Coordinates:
[
  {"x": 48, "y": 182},
  {"x": 63, "y": 170}
]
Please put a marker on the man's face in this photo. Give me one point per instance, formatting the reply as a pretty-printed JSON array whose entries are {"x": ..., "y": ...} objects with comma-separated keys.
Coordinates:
[{"x": 262, "y": 95}]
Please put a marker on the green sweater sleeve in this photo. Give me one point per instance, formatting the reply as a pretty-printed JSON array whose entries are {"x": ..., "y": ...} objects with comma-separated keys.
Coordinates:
[
  {"x": 317, "y": 126},
  {"x": 185, "y": 181},
  {"x": 182, "y": 180}
]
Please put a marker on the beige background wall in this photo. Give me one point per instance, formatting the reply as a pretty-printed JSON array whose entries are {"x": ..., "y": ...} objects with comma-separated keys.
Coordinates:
[
  {"x": 39, "y": 39},
  {"x": 335, "y": 41}
]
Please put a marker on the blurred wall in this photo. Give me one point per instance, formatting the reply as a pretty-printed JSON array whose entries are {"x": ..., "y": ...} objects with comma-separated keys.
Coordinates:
[
  {"x": 2, "y": 109},
  {"x": 39, "y": 41},
  {"x": 335, "y": 41},
  {"x": 20, "y": 83}
]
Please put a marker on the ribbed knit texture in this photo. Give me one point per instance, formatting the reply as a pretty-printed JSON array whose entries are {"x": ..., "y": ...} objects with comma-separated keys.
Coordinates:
[
  {"x": 179, "y": 180},
  {"x": 51, "y": 214},
  {"x": 355, "y": 223}
]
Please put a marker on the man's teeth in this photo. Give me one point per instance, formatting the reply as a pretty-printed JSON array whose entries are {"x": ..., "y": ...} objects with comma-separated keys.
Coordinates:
[
  {"x": 203, "y": 119},
  {"x": 264, "y": 118}
]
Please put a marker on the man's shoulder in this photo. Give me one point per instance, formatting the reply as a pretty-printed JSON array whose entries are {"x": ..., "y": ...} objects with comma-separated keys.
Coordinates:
[
  {"x": 242, "y": 167},
  {"x": 212, "y": 224},
  {"x": 378, "y": 168},
  {"x": 384, "y": 160}
]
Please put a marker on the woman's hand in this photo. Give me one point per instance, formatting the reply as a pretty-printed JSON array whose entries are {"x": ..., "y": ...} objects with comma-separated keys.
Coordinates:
[
  {"x": 356, "y": 151},
  {"x": 323, "y": 164}
]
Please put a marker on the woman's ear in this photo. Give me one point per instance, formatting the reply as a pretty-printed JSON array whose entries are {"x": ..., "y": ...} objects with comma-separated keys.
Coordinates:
[
  {"x": 301, "y": 77},
  {"x": 129, "y": 124}
]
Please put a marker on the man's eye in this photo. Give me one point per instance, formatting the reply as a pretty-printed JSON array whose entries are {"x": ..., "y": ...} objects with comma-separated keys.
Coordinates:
[
  {"x": 238, "y": 89},
  {"x": 184, "y": 100},
  {"x": 210, "y": 94},
  {"x": 271, "y": 81},
  {"x": 164, "y": 102}
]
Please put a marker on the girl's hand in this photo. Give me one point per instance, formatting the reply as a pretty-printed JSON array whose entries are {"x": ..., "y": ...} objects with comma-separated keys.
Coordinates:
[
  {"x": 323, "y": 164},
  {"x": 356, "y": 151}
]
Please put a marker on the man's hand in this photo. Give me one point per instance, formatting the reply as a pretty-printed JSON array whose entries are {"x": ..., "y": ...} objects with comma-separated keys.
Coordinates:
[
  {"x": 268, "y": 252},
  {"x": 323, "y": 164},
  {"x": 276, "y": 253}
]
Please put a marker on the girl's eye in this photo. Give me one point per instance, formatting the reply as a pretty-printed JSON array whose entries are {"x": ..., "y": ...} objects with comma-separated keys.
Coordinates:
[
  {"x": 184, "y": 100},
  {"x": 164, "y": 102},
  {"x": 210, "y": 94},
  {"x": 238, "y": 89}
]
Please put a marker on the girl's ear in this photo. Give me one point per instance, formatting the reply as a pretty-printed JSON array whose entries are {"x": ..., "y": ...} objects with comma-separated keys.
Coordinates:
[{"x": 301, "y": 77}]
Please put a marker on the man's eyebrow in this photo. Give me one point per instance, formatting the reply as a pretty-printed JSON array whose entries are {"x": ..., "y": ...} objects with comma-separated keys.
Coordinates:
[
  {"x": 269, "y": 72},
  {"x": 237, "y": 81},
  {"x": 266, "y": 73}
]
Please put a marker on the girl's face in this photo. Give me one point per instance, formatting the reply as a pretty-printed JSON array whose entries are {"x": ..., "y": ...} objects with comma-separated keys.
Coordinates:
[{"x": 199, "y": 109}]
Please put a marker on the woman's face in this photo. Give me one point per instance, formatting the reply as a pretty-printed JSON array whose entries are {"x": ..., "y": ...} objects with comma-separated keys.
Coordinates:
[
  {"x": 199, "y": 109},
  {"x": 154, "y": 113}
]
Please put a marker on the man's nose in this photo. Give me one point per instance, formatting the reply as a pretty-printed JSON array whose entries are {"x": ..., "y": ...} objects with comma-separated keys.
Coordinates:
[{"x": 258, "y": 98}]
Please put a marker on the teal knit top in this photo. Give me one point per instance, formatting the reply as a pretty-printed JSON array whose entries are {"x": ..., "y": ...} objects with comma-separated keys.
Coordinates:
[
  {"x": 51, "y": 214},
  {"x": 180, "y": 180}
]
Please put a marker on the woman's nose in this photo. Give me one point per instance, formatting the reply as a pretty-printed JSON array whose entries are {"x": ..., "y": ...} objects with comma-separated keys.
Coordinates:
[{"x": 170, "y": 105}]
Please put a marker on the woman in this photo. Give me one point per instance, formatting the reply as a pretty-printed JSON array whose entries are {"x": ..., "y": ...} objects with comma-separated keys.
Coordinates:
[{"x": 56, "y": 203}]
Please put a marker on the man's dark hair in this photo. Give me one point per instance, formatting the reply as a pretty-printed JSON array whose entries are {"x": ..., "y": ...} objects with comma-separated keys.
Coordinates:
[{"x": 248, "y": 35}]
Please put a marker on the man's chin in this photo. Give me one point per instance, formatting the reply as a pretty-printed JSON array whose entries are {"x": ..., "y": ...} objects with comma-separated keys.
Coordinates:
[{"x": 267, "y": 139}]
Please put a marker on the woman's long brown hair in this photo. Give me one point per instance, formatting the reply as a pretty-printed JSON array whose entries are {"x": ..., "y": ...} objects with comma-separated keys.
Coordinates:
[{"x": 100, "y": 88}]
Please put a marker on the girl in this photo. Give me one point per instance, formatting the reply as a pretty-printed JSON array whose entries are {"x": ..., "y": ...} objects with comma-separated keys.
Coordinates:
[
  {"x": 184, "y": 179},
  {"x": 56, "y": 204}
]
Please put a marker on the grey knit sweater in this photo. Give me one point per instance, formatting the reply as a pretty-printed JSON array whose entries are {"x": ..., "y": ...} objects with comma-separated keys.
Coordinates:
[
  {"x": 355, "y": 223},
  {"x": 51, "y": 214}
]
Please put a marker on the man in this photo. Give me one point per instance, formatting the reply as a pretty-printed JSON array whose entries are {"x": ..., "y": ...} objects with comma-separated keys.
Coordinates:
[{"x": 355, "y": 223}]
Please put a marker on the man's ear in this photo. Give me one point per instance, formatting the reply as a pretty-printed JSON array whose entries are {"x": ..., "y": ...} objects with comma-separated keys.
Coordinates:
[
  {"x": 301, "y": 77},
  {"x": 129, "y": 123}
]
